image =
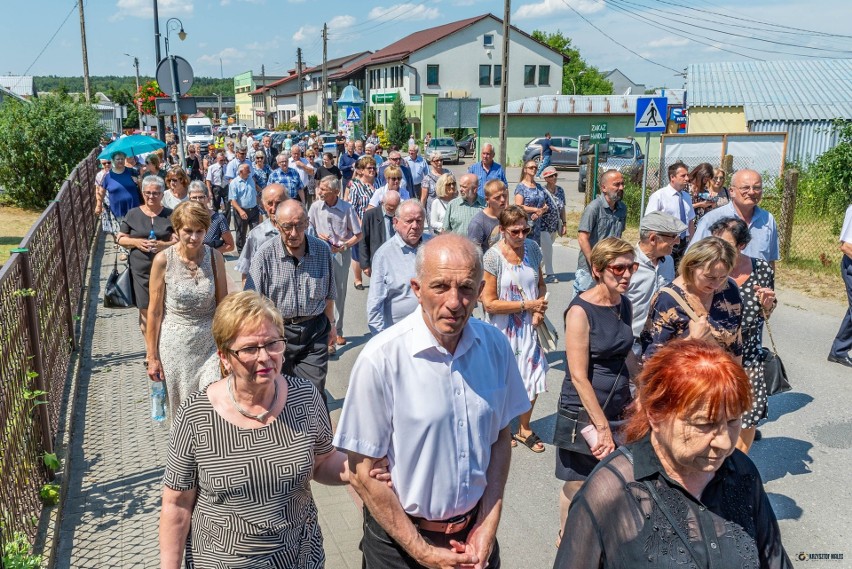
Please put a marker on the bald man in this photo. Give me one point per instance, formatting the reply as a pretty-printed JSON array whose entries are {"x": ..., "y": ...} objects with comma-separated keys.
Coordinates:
[
  {"x": 486, "y": 170},
  {"x": 271, "y": 197},
  {"x": 461, "y": 210},
  {"x": 444, "y": 507}
]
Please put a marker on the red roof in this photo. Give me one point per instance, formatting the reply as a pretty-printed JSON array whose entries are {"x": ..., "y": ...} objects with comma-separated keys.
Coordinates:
[{"x": 331, "y": 64}]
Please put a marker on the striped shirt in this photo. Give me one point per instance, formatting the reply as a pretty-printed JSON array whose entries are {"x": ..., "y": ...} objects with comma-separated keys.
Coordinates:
[{"x": 298, "y": 287}]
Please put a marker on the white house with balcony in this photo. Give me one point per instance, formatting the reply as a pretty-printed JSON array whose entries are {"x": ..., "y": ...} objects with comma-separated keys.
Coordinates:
[{"x": 457, "y": 60}]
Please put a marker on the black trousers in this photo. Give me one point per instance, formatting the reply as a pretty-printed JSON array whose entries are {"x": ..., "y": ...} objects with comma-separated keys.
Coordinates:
[
  {"x": 220, "y": 197},
  {"x": 306, "y": 354},
  {"x": 244, "y": 226},
  {"x": 382, "y": 552},
  {"x": 843, "y": 341}
]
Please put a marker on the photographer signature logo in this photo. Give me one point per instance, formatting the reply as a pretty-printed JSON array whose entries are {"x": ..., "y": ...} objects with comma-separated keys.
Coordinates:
[{"x": 802, "y": 556}]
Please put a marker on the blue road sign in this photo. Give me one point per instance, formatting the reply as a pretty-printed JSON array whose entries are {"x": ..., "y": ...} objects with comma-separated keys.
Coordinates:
[
  {"x": 353, "y": 114},
  {"x": 651, "y": 114}
]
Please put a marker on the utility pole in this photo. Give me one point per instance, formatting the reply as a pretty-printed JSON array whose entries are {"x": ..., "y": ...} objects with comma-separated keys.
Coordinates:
[
  {"x": 324, "y": 75},
  {"x": 138, "y": 109},
  {"x": 86, "y": 87},
  {"x": 161, "y": 122},
  {"x": 301, "y": 89},
  {"x": 504, "y": 85},
  {"x": 263, "y": 93}
]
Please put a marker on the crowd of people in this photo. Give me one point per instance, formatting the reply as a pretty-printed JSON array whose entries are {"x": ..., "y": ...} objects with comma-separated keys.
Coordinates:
[{"x": 663, "y": 391}]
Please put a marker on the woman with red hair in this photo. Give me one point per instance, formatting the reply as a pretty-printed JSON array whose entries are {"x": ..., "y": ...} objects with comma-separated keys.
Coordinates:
[{"x": 678, "y": 493}]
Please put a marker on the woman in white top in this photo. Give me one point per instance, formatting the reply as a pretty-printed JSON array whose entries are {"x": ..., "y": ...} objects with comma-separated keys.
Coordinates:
[
  {"x": 177, "y": 182},
  {"x": 445, "y": 190}
]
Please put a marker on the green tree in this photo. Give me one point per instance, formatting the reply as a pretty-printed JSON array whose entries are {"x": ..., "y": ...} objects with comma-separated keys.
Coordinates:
[
  {"x": 576, "y": 74},
  {"x": 831, "y": 173},
  {"x": 313, "y": 122},
  {"x": 42, "y": 141},
  {"x": 398, "y": 131}
]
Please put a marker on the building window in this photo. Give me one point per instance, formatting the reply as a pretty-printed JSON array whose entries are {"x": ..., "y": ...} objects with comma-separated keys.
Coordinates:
[
  {"x": 432, "y": 75},
  {"x": 484, "y": 75},
  {"x": 529, "y": 75},
  {"x": 488, "y": 40},
  {"x": 544, "y": 75},
  {"x": 498, "y": 75}
]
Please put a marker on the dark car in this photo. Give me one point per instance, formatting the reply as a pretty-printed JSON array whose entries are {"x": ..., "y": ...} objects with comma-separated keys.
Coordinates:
[
  {"x": 624, "y": 155},
  {"x": 564, "y": 151},
  {"x": 467, "y": 146}
]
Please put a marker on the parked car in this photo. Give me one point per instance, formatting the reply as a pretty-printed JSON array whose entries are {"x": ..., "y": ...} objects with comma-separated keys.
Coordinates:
[
  {"x": 625, "y": 155},
  {"x": 467, "y": 146},
  {"x": 328, "y": 144},
  {"x": 446, "y": 146},
  {"x": 564, "y": 151},
  {"x": 223, "y": 130},
  {"x": 236, "y": 129}
]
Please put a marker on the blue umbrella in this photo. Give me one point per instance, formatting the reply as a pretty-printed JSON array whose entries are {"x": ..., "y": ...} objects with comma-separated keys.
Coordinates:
[{"x": 132, "y": 145}]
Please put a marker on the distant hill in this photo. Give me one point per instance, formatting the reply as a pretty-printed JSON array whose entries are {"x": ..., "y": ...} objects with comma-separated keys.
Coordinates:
[{"x": 114, "y": 83}]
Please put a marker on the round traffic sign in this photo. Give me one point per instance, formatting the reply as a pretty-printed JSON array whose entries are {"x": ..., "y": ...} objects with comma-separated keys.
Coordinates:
[{"x": 185, "y": 77}]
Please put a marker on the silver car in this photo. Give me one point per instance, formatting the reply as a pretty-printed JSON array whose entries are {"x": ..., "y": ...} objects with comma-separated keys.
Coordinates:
[{"x": 446, "y": 147}]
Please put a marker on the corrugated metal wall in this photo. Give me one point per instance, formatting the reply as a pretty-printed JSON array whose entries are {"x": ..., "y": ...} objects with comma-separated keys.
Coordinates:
[{"x": 806, "y": 140}]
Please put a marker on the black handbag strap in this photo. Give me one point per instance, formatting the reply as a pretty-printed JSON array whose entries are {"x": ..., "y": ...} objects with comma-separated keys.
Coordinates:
[
  {"x": 677, "y": 529},
  {"x": 611, "y": 391}
]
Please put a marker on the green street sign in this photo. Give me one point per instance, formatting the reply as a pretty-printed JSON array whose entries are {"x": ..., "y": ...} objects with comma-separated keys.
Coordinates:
[
  {"x": 380, "y": 98},
  {"x": 598, "y": 133}
]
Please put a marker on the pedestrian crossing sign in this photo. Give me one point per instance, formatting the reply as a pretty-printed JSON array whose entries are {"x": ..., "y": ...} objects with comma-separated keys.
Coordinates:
[
  {"x": 353, "y": 114},
  {"x": 651, "y": 114}
]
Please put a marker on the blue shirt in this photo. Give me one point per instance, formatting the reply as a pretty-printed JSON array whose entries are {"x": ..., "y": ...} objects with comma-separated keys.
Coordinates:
[
  {"x": 346, "y": 163},
  {"x": 495, "y": 173},
  {"x": 289, "y": 179},
  {"x": 243, "y": 192},
  {"x": 261, "y": 176},
  {"x": 122, "y": 190},
  {"x": 764, "y": 232},
  {"x": 390, "y": 298},
  {"x": 545, "y": 147},
  {"x": 418, "y": 168},
  {"x": 231, "y": 169}
]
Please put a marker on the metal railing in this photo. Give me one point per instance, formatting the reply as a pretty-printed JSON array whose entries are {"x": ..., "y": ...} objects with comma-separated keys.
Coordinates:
[{"x": 40, "y": 295}]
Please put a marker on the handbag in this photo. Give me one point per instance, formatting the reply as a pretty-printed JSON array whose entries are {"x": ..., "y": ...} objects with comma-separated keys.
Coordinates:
[
  {"x": 569, "y": 423},
  {"x": 118, "y": 292},
  {"x": 774, "y": 373},
  {"x": 546, "y": 331}
]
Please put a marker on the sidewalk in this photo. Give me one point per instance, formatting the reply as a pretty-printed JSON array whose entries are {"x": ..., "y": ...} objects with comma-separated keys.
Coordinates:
[{"x": 117, "y": 455}]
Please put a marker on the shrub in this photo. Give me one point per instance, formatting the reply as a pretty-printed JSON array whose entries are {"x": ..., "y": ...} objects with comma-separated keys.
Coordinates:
[
  {"x": 398, "y": 131},
  {"x": 42, "y": 141}
]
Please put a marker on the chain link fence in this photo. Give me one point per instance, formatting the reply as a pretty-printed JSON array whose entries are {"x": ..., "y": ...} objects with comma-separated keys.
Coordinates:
[{"x": 40, "y": 295}]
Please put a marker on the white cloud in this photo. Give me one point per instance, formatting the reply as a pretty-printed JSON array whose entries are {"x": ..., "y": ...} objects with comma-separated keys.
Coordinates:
[
  {"x": 403, "y": 12},
  {"x": 339, "y": 23},
  {"x": 145, "y": 9},
  {"x": 229, "y": 56},
  {"x": 669, "y": 41},
  {"x": 304, "y": 33},
  {"x": 547, "y": 8}
]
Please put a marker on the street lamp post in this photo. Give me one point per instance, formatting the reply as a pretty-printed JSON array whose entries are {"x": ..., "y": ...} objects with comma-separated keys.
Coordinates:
[
  {"x": 138, "y": 107},
  {"x": 220, "y": 104},
  {"x": 173, "y": 23},
  {"x": 161, "y": 123}
]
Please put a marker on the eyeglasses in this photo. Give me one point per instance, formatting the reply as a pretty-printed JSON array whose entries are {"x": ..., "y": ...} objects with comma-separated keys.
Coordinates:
[
  {"x": 152, "y": 194},
  {"x": 288, "y": 227},
  {"x": 519, "y": 232},
  {"x": 438, "y": 160},
  {"x": 173, "y": 180},
  {"x": 396, "y": 179},
  {"x": 371, "y": 168},
  {"x": 530, "y": 168},
  {"x": 105, "y": 163},
  {"x": 200, "y": 198},
  {"x": 719, "y": 178},
  {"x": 750, "y": 189},
  {"x": 250, "y": 353},
  {"x": 397, "y": 159},
  {"x": 619, "y": 270}
]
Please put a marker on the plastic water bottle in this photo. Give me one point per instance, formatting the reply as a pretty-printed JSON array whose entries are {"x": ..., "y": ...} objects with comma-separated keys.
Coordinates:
[
  {"x": 158, "y": 401},
  {"x": 151, "y": 235}
]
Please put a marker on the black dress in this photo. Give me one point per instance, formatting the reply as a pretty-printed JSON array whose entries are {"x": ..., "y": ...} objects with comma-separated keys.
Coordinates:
[
  {"x": 761, "y": 275},
  {"x": 610, "y": 340},
  {"x": 138, "y": 225}
]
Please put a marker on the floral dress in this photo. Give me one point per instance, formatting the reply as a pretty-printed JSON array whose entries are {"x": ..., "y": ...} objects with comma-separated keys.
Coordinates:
[
  {"x": 667, "y": 320},
  {"x": 551, "y": 220},
  {"x": 533, "y": 197},
  {"x": 761, "y": 275},
  {"x": 516, "y": 283}
]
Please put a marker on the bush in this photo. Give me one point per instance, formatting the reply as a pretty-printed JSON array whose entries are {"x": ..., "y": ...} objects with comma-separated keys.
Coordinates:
[
  {"x": 825, "y": 186},
  {"x": 42, "y": 142},
  {"x": 313, "y": 122}
]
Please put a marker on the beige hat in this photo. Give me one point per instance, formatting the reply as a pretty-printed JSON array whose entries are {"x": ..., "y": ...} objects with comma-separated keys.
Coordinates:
[{"x": 549, "y": 171}]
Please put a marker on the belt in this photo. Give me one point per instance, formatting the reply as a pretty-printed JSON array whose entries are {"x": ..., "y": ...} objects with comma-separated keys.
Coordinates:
[
  {"x": 298, "y": 320},
  {"x": 449, "y": 526}
]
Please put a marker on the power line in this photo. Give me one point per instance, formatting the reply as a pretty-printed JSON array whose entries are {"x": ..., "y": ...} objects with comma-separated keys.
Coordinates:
[
  {"x": 615, "y": 41},
  {"x": 20, "y": 78}
]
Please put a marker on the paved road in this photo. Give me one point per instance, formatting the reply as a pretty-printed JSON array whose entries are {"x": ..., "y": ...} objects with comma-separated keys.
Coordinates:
[{"x": 117, "y": 452}]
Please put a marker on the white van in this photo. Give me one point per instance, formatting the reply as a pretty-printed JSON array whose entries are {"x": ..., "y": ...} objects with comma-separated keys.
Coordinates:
[{"x": 200, "y": 131}]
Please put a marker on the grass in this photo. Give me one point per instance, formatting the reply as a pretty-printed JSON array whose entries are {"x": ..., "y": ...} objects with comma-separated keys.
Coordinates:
[{"x": 14, "y": 224}]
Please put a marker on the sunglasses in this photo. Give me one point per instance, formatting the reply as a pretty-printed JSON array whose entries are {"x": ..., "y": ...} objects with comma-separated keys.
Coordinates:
[
  {"x": 519, "y": 232},
  {"x": 370, "y": 168},
  {"x": 397, "y": 179},
  {"x": 619, "y": 270}
]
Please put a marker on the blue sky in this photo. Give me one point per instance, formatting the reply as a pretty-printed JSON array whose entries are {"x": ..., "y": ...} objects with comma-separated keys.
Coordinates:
[{"x": 247, "y": 33}]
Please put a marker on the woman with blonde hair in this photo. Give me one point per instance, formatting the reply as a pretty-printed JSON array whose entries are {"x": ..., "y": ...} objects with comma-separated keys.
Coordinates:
[
  {"x": 187, "y": 281},
  {"x": 446, "y": 190}
]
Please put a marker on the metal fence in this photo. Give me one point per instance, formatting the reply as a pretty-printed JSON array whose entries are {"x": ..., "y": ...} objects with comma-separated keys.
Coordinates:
[{"x": 40, "y": 296}]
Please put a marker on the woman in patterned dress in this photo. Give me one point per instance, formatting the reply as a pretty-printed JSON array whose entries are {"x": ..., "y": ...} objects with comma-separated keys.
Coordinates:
[
  {"x": 358, "y": 194},
  {"x": 756, "y": 280},
  {"x": 553, "y": 220},
  {"x": 531, "y": 196},
  {"x": 180, "y": 348},
  {"x": 514, "y": 301}
]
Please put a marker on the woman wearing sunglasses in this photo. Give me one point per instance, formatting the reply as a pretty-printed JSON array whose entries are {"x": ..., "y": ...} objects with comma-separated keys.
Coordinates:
[
  {"x": 598, "y": 340},
  {"x": 514, "y": 301},
  {"x": 533, "y": 198}
]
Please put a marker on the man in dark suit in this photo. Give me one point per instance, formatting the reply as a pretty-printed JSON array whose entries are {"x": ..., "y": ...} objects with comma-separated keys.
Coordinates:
[
  {"x": 269, "y": 152},
  {"x": 377, "y": 228}
]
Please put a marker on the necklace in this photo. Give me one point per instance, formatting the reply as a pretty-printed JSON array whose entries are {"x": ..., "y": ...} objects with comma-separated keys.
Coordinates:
[{"x": 260, "y": 416}]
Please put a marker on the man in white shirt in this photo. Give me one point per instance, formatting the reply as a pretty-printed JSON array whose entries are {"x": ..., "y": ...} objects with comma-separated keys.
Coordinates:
[
  {"x": 303, "y": 167},
  {"x": 418, "y": 167},
  {"x": 435, "y": 394},
  {"x": 843, "y": 341},
  {"x": 675, "y": 200}
]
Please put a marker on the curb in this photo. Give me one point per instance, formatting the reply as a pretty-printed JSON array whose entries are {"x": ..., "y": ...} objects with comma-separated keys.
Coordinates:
[{"x": 47, "y": 538}]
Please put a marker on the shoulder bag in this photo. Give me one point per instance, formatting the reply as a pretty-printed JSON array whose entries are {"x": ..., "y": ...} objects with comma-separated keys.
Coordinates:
[
  {"x": 690, "y": 312},
  {"x": 774, "y": 373},
  {"x": 118, "y": 292},
  {"x": 569, "y": 423}
]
